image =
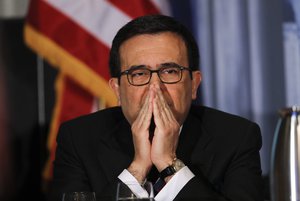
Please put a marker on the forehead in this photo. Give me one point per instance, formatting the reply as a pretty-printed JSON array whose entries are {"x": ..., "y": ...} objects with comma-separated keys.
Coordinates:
[{"x": 153, "y": 49}]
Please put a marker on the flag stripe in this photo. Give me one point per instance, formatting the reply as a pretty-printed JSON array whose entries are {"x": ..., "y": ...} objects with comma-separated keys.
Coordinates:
[
  {"x": 104, "y": 14},
  {"x": 136, "y": 7},
  {"x": 72, "y": 38},
  {"x": 69, "y": 65}
]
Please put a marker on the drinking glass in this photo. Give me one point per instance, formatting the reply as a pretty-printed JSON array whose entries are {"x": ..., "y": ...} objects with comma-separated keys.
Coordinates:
[
  {"x": 79, "y": 196},
  {"x": 125, "y": 193}
]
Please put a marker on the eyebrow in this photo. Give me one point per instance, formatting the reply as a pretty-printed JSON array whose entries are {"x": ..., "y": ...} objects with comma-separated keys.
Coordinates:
[
  {"x": 170, "y": 64},
  {"x": 136, "y": 67},
  {"x": 167, "y": 64}
]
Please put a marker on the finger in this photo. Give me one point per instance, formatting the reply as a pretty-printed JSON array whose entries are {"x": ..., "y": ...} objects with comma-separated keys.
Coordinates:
[
  {"x": 164, "y": 110},
  {"x": 160, "y": 117},
  {"x": 144, "y": 116}
]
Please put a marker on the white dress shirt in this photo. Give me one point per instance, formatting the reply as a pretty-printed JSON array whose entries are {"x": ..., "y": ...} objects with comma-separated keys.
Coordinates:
[{"x": 167, "y": 193}]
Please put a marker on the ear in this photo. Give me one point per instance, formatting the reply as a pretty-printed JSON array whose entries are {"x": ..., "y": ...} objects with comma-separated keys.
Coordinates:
[
  {"x": 114, "y": 85},
  {"x": 197, "y": 77}
]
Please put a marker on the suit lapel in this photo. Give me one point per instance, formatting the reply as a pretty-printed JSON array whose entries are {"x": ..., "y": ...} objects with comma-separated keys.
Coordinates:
[
  {"x": 115, "y": 150},
  {"x": 193, "y": 143}
]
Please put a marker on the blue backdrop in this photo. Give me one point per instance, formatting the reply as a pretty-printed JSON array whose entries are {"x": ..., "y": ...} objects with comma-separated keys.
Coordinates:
[{"x": 250, "y": 57}]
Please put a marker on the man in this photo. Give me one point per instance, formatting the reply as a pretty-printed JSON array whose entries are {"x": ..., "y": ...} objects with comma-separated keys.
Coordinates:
[{"x": 189, "y": 152}]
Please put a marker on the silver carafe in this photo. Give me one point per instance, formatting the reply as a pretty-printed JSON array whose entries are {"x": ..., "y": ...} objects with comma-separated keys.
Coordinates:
[{"x": 285, "y": 157}]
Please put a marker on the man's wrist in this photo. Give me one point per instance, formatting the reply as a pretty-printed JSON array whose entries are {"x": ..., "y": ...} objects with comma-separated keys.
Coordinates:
[
  {"x": 167, "y": 173},
  {"x": 138, "y": 172},
  {"x": 164, "y": 163}
]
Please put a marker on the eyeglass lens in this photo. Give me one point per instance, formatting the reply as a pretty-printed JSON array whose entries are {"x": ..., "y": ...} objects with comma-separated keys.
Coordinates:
[{"x": 142, "y": 75}]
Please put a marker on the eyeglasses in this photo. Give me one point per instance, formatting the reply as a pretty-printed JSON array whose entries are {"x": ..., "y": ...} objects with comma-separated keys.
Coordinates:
[{"x": 169, "y": 73}]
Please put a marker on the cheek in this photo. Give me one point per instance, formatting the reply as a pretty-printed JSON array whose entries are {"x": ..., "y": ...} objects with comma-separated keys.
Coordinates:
[
  {"x": 185, "y": 89},
  {"x": 131, "y": 101},
  {"x": 180, "y": 96},
  {"x": 127, "y": 96},
  {"x": 184, "y": 98}
]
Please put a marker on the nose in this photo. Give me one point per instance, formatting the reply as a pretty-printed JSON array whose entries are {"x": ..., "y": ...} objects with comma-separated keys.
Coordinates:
[{"x": 155, "y": 79}]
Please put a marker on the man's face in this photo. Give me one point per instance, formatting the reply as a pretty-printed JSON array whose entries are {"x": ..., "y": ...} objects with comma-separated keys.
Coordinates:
[{"x": 153, "y": 50}]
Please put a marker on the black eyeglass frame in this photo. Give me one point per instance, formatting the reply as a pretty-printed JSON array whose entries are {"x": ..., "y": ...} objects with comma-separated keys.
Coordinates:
[{"x": 127, "y": 73}]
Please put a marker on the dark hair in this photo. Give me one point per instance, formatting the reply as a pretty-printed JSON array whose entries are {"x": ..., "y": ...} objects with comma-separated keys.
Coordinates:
[{"x": 152, "y": 24}]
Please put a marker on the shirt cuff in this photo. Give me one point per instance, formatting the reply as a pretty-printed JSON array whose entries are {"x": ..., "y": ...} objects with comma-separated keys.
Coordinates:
[
  {"x": 175, "y": 184},
  {"x": 127, "y": 178}
]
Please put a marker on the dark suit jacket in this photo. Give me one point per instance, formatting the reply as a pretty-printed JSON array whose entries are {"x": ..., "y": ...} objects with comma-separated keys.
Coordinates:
[{"x": 222, "y": 150}]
